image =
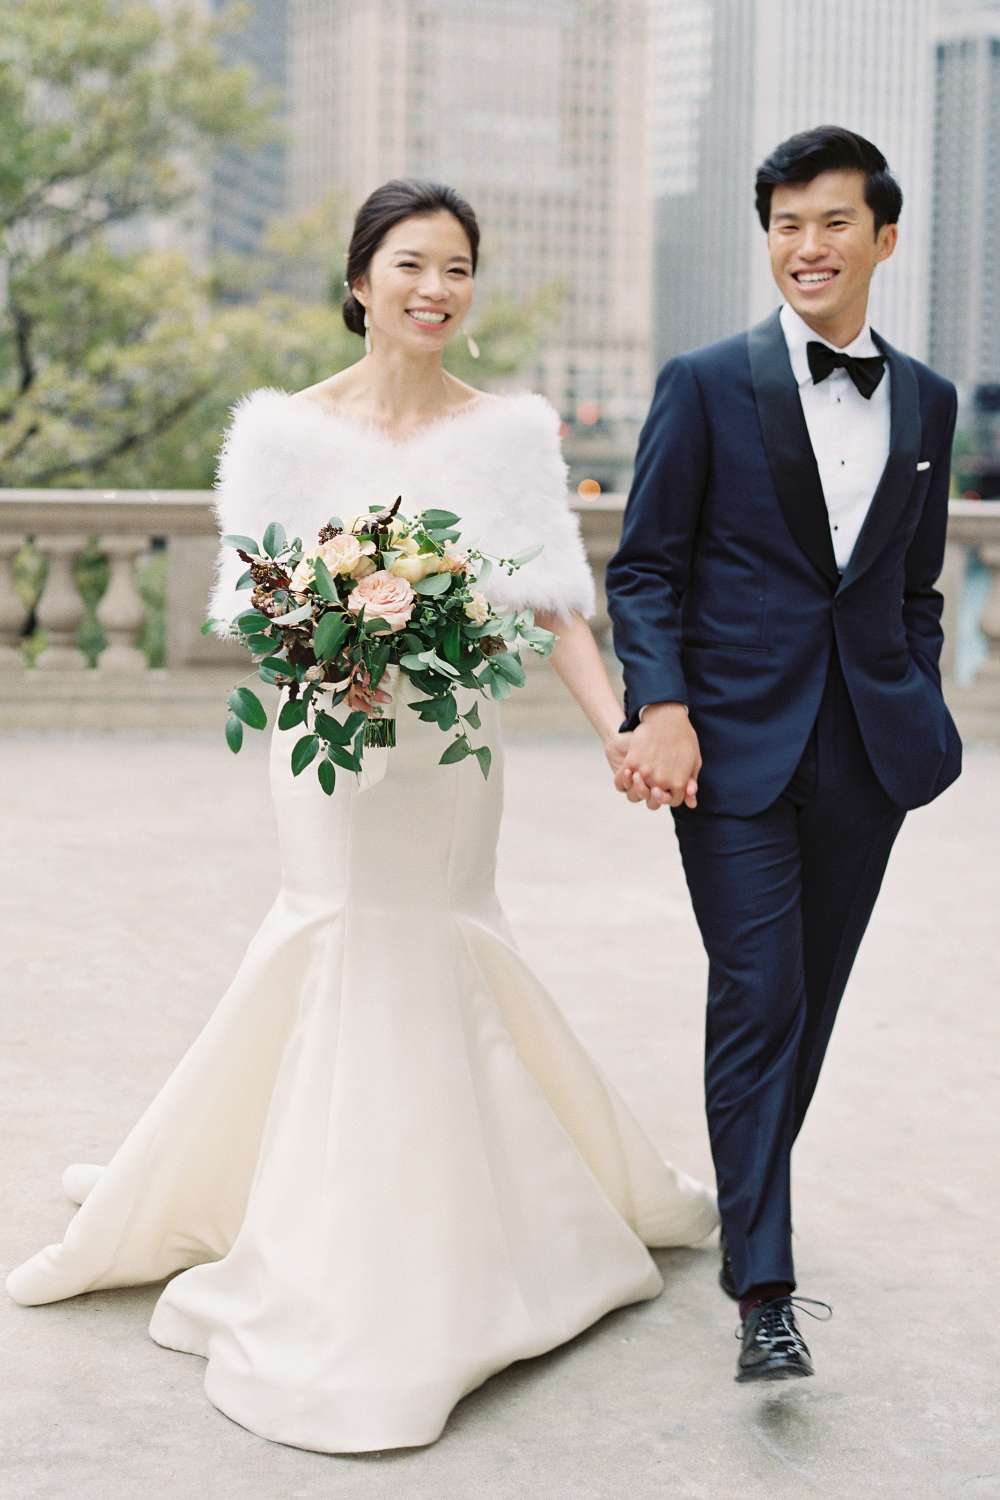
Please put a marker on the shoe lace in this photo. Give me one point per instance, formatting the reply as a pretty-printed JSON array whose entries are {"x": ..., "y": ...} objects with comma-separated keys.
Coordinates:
[{"x": 777, "y": 1321}]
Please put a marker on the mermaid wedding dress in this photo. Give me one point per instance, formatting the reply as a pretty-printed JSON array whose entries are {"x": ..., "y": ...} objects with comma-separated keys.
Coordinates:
[{"x": 386, "y": 1168}]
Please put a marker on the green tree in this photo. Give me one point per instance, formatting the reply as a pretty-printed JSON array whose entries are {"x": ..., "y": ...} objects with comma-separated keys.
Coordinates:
[
  {"x": 105, "y": 108},
  {"x": 119, "y": 368}
]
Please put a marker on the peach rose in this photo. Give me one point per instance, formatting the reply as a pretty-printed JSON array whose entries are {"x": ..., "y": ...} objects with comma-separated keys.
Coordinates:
[
  {"x": 383, "y": 597},
  {"x": 458, "y": 562},
  {"x": 477, "y": 610},
  {"x": 345, "y": 555},
  {"x": 303, "y": 577}
]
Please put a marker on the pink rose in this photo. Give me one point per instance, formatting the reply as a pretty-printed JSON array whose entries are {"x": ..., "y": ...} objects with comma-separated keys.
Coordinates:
[{"x": 383, "y": 597}]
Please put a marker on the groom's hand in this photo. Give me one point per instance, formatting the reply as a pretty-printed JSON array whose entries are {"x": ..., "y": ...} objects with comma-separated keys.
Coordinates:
[{"x": 663, "y": 761}]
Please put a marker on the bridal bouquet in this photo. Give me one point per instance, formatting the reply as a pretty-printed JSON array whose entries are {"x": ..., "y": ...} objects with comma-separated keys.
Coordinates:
[{"x": 370, "y": 595}]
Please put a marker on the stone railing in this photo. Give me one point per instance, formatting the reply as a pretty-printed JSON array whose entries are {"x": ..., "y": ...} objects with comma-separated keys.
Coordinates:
[{"x": 61, "y": 691}]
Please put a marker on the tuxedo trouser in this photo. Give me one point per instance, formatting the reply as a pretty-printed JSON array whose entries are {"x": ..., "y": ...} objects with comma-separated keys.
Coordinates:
[{"x": 782, "y": 900}]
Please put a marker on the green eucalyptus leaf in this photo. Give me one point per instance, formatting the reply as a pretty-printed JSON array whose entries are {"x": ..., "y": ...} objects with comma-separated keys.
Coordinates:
[
  {"x": 448, "y": 714},
  {"x": 438, "y": 664},
  {"x": 243, "y": 543},
  {"x": 251, "y": 620},
  {"x": 323, "y": 582},
  {"x": 274, "y": 539},
  {"x": 355, "y": 721},
  {"x": 485, "y": 572},
  {"x": 248, "y": 707},
  {"x": 234, "y": 733},
  {"x": 245, "y": 581},
  {"x": 528, "y": 555},
  {"x": 427, "y": 709},
  {"x": 332, "y": 729},
  {"x": 508, "y": 666},
  {"x": 260, "y": 645},
  {"x": 472, "y": 717},
  {"x": 432, "y": 520},
  {"x": 293, "y": 712},
  {"x": 331, "y": 633},
  {"x": 457, "y": 750},
  {"x": 341, "y": 757},
  {"x": 327, "y": 776},
  {"x": 434, "y": 585},
  {"x": 451, "y": 643},
  {"x": 296, "y": 616},
  {"x": 484, "y": 755},
  {"x": 303, "y": 752}
]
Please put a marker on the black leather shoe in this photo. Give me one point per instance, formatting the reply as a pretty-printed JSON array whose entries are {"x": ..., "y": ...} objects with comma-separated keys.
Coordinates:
[
  {"x": 727, "y": 1280},
  {"x": 773, "y": 1348}
]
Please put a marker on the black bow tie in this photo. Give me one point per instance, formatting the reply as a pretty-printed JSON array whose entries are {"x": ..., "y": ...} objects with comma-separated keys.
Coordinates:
[{"x": 866, "y": 373}]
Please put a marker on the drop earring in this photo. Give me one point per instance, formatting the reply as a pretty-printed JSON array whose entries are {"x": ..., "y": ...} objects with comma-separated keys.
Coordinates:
[
  {"x": 473, "y": 346},
  {"x": 368, "y": 337}
]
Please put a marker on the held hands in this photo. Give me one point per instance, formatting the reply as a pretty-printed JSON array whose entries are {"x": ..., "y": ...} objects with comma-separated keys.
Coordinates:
[{"x": 662, "y": 761}]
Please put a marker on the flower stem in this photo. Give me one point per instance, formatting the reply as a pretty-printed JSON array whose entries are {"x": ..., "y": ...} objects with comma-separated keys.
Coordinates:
[{"x": 380, "y": 734}]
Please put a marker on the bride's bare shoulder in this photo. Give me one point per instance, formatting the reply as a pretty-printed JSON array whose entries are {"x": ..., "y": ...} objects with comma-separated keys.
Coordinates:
[{"x": 331, "y": 394}]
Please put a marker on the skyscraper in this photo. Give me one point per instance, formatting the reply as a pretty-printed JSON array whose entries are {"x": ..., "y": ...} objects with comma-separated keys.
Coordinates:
[
  {"x": 965, "y": 263},
  {"x": 536, "y": 113},
  {"x": 867, "y": 67},
  {"x": 233, "y": 197},
  {"x": 775, "y": 67},
  {"x": 249, "y": 188},
  {"x": 701, "y": 119}
]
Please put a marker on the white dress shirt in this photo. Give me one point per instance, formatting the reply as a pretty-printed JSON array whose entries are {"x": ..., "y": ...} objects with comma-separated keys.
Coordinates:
[{"x": 849, "y": 435}]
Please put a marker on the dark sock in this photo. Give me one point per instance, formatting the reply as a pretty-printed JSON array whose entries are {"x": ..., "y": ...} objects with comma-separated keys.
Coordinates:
[{"x": 763, "y": 1293}]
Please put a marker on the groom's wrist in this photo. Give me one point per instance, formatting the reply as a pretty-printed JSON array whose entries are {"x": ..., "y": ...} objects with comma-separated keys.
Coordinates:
[{"x": 653, "y": 708}]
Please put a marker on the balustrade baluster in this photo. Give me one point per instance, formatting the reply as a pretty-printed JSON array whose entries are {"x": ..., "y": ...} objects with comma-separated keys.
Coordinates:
[
  {"x": 121, "y": 611},
  {"x": 60, "y": 610},
  {"x": 12, "y": 611}
]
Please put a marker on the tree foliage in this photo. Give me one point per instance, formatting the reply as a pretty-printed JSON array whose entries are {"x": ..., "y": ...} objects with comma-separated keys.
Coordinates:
[{"x": 118, "y": 364}]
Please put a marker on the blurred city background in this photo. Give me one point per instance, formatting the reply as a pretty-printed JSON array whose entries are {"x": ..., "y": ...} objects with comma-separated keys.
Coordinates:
[{"x": 179, "y": 190}]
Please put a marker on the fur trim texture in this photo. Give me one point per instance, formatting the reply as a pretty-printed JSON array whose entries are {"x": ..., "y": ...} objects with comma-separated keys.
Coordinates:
[{"x": 497, "y": 464}]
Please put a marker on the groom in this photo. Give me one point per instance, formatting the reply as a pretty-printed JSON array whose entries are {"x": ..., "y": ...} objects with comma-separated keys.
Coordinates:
[{"x": 775, "y": 613}]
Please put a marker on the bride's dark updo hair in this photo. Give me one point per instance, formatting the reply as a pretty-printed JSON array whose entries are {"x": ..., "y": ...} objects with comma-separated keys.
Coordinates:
[{"x": 389, "y": 205}]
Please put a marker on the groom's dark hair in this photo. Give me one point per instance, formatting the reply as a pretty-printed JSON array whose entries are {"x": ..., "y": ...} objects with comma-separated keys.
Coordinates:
[{"x": 829, "y": 148}]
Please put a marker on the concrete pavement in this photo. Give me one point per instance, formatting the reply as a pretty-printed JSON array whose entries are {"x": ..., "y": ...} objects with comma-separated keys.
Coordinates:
[{"x": 135, "y": 869}]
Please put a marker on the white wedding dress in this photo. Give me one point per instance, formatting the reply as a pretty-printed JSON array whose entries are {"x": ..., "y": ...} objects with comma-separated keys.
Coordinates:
[{"x": 386, "y": 1168}]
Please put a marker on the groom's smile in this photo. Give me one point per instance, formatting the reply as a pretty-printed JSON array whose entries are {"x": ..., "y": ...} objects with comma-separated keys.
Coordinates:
[{"x": 824, "y": 249}]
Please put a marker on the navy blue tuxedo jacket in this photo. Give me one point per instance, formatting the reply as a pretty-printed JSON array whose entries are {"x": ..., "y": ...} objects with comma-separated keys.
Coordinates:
[{"x": 725, "y": 593}]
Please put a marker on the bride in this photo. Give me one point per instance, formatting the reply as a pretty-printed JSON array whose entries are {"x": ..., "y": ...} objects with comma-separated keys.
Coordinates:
[{"x": 386, "y": 1168}]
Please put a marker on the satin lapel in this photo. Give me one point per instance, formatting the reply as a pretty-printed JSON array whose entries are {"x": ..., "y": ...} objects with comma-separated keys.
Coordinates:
[
  {"x": 896, "y": 484},
  {"x": 786, "y": 442}
]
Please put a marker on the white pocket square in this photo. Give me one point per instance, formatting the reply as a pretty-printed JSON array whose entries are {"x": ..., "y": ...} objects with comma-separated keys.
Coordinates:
[{"x": 924, "y": 464}]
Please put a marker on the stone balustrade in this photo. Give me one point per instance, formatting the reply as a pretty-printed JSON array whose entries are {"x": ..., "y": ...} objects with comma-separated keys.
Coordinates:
[{"x": 61, "y": 691}]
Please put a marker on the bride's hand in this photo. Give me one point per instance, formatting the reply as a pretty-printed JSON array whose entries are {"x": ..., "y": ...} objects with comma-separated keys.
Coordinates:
[
  {"x": 360, "y": 696},
  {"x": 615, "y": 749}
]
